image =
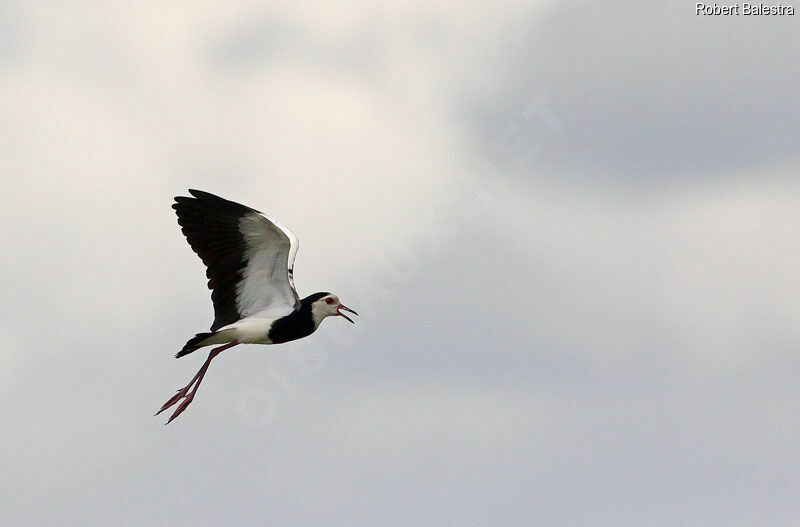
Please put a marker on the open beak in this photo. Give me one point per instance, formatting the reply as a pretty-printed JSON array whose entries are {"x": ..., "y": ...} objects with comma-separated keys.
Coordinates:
[{"x": 343, "y": 307}]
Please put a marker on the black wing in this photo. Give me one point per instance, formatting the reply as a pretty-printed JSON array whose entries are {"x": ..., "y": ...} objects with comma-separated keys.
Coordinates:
[{"x": 250, "y": 258}]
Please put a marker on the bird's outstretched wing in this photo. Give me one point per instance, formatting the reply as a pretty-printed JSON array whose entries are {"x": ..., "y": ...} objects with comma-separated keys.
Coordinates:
[{"x": 250, "y": 257}]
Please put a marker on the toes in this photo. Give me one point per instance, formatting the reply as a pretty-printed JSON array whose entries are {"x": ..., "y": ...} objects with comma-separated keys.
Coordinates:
[
  {"x": 180, "y": 408},
  {"x": 174, "y": 399}
]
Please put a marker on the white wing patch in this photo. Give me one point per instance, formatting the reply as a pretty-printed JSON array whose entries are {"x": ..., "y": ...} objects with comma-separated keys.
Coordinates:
[
  {"x": 266, "y": 288},
  {"x": 294, "y": 243}
]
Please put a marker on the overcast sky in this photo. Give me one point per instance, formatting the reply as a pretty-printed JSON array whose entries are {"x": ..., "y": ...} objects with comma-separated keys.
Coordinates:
[{"x": 570, "y": 230}]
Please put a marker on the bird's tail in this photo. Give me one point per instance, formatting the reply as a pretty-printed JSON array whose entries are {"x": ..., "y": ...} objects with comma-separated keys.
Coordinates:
[{"x": 194, "y": 343}]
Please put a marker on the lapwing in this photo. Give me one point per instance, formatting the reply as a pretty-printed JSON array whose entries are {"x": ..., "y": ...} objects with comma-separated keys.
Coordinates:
[{"x": 250, "y": 268}]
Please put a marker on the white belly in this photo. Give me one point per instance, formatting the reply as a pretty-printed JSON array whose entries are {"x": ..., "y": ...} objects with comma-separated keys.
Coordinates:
[{"x": 246, "y": 331}]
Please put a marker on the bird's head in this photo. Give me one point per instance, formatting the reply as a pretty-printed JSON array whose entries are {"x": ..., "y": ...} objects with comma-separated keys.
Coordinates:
[{"x": 328, "y": 305}]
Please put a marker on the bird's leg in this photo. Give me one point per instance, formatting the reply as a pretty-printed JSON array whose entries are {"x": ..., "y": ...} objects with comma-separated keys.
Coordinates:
[
  {"x": 198, "y": 378},
  {"x": 181, "y": 393}
]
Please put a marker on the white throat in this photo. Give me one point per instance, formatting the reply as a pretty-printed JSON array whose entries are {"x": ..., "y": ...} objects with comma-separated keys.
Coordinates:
[{"x": 318, "y": 314}]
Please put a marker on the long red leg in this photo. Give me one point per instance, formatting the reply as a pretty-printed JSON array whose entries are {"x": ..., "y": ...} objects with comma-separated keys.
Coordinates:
[{"x": 198, "y": 378}]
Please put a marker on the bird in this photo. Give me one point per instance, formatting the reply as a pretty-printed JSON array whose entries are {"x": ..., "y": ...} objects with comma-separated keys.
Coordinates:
[{"x": 250, "y": 269}]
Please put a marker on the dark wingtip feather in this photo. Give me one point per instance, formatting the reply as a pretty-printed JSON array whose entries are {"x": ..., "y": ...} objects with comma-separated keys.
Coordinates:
[
  {"x": 211, "y": 226},
  {"x": 208, "y": 196}
]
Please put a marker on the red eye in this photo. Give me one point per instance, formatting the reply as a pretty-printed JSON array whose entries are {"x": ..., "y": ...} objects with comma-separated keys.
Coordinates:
[{"x": 329, "y": 300}]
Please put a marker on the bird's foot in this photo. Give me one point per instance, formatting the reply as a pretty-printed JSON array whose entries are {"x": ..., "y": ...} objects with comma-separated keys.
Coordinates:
[
  {"x": 196, "y": 380},
  {"x": 183, "y": 392},
  {"x": 181, "y": 407}
]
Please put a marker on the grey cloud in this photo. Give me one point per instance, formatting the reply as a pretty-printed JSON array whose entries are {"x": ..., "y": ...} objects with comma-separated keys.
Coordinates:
[
  {"x": 12, "y": 32},
  {"x": 646, "y": 93},
  {"x": 264, "y": 38},
  {"x": 257, "y": 38}
]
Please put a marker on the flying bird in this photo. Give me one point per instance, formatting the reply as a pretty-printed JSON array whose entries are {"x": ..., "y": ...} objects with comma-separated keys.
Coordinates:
[{"x": 250, "y": 261}]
